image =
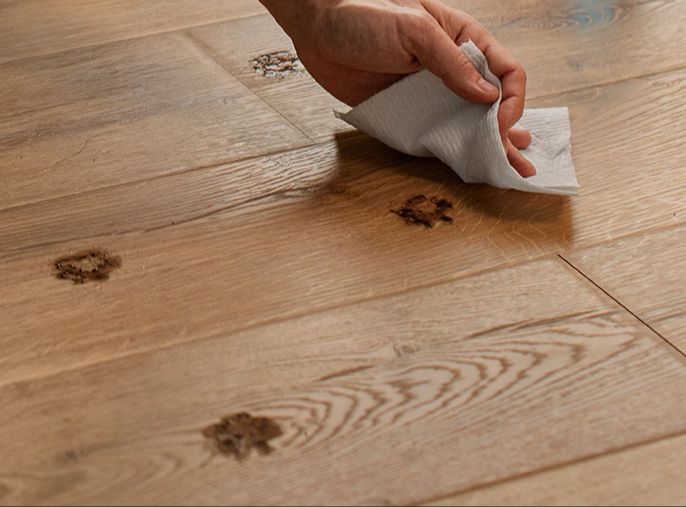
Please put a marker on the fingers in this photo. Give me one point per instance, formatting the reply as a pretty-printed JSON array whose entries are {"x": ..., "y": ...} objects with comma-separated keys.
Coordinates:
[
  {"x": 512, "y": 103},
  {"x": 463, "y": 27},
  {"x": 520, "y": 138},
  {"x": 512, "y": 78},
  {"x": 518, "y": 161},
  {"x": 434, "y": 43},
  {"x": 436, "y": 51}
]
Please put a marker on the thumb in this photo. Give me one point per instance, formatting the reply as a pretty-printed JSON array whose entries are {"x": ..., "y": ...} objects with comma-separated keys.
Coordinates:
[{"x": 441, "y": 55}]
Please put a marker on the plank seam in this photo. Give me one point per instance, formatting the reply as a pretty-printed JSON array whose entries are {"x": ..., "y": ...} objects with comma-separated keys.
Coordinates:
[
  {"x": 172, "y": 173},
  {"x": 580, "y": 246},
  {"x": 314, "y": 142},
  {"x": 558, "y": 466},
  {"x": 608, "y": 83},
  {"x": 135, "y": 37},
  {"x": 626, "y": 308},
  {"x": 184, "y": 31},
  {"x": 283, "y": 318},
  {"x": 219, "y": 60}
]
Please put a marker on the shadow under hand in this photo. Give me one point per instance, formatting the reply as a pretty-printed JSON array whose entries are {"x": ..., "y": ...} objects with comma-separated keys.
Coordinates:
[
  {"x": 355, "y": 147},
  {"x": 505, "y": 209},
  {"x": 383, "y": 174}
]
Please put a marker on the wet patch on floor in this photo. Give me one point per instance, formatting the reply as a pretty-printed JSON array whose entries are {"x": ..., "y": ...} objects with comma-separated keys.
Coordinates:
[
  {"x": 94, "y": 264},
  {"x": 279, "y": 64},
  {"x": 421, "y": 210},
  {"x": 238, "y": 434}
]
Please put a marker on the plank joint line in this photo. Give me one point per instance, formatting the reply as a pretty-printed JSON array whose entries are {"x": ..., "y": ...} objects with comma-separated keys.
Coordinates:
[
  {"x": 550, "y": 468},
  {"x": 213, "y": 55},
  {"x": 636, "y": 316}
]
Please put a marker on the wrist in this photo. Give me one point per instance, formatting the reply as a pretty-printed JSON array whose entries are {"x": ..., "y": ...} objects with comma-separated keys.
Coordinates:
[
  {"x": 290, "y": 13},
  {"x": 295, "y": 16}
]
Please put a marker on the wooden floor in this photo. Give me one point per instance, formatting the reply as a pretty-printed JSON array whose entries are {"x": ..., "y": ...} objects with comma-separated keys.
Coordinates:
[{"x": 533, "y": 351}]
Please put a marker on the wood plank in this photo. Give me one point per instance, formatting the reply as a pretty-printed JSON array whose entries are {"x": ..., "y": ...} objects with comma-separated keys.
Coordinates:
[
  {"x": 650, "y": 474},
  {"x": 285, "y": 235},
  {"x": 299, "y": 98},
  {"x": 630, "y": 177},
  {"x": 647, "y": 274},
  {"x": 126, "y": 111},
  {"x": 569, "y": 45},
  {"x": 469, "y": 382},
  {"x": 162, "y": 202},
  {"x": 38, "y": 27},
  {"x": 558, "y": 43},
  {"x": 619, "y": 196}
]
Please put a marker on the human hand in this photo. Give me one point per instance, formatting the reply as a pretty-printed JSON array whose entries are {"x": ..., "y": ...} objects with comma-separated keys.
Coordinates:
[{"x": 356, "y": 48}]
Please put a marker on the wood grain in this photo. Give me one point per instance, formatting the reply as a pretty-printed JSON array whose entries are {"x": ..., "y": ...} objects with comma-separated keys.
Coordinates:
[
  {"x": 167, "y": 201},
  {"x": 261, "y": 272},
  {"x": 626, "y": 187},
  {"x": 571, "y": 45},
  {"x": 38, "y": 27},
  {"x": 468, "y": 382},
  {"x": 284, "y": 235},
  {"x": 298, "y": 97},
  {"x": 127, "y": 111},
  {"x": 627, "y": 156},
  {"x": 647, "y": 274},
  {"x": 650, "y": 474},
  {"x": 557, "y": 42}
]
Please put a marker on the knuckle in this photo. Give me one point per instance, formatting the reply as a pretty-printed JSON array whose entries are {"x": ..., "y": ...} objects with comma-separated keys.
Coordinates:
[
  {"x": 465, "y": 66},
  {"x": 416, "y": 32},
  {"x": 462, "y": 19},
  {"x": 416, "y": 25},
  {"x": 520, "y": 72}
]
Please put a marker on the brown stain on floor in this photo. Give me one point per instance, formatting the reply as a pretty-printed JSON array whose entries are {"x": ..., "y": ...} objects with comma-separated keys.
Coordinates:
[
  {"x": 81, "y": 267},
  {"x": 421, "y": 210},
  {"x": 277, "y": 64},
  {"x": 237, "y": 434}
]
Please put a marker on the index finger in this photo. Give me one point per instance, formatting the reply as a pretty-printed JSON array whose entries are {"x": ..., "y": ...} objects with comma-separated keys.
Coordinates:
[
  {"x": 513, "y": 81},
  {"x": 500, "y": 61}
]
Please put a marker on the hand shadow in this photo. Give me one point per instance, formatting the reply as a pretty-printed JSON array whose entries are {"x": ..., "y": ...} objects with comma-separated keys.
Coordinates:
[{"x": 539, "y": 218}]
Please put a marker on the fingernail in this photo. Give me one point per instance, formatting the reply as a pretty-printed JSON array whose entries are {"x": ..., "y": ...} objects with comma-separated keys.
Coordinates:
[{"x": 486, "y": 86}]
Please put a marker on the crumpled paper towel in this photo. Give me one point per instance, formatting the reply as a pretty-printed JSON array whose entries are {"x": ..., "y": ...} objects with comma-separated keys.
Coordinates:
[{"x": 420, "y": 116}]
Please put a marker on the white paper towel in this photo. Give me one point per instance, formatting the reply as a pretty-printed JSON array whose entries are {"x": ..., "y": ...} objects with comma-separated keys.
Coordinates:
[{"x": 420, "y": 116}]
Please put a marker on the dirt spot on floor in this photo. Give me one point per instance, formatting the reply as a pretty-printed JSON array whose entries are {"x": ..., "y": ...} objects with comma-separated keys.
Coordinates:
[
  {"x": 279, "y": 64},
  {"x": 69, "y": 457},
  {"x": 237, "y": 434},
  {"x": 405, "y": 349},
  {"x": 94, "y": 264},
  {"x": 4, "y": 491},
  {"x": 344, "y": 191},
  {"x": 421, "y": 210}
]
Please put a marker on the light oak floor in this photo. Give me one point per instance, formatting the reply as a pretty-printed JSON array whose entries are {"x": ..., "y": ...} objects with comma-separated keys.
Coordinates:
[{"x": 533, "y": 351}]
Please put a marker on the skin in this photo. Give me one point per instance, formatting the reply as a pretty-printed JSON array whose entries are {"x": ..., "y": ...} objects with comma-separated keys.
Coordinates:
[{"x": 356, "y": 48}]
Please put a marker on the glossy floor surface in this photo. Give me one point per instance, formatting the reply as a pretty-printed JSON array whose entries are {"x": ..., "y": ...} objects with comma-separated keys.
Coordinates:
[{"x": 531, "y": 351}]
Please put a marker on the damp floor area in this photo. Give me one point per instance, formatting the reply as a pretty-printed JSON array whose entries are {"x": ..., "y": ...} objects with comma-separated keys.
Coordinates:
[{"x": 214, "y": 292}]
